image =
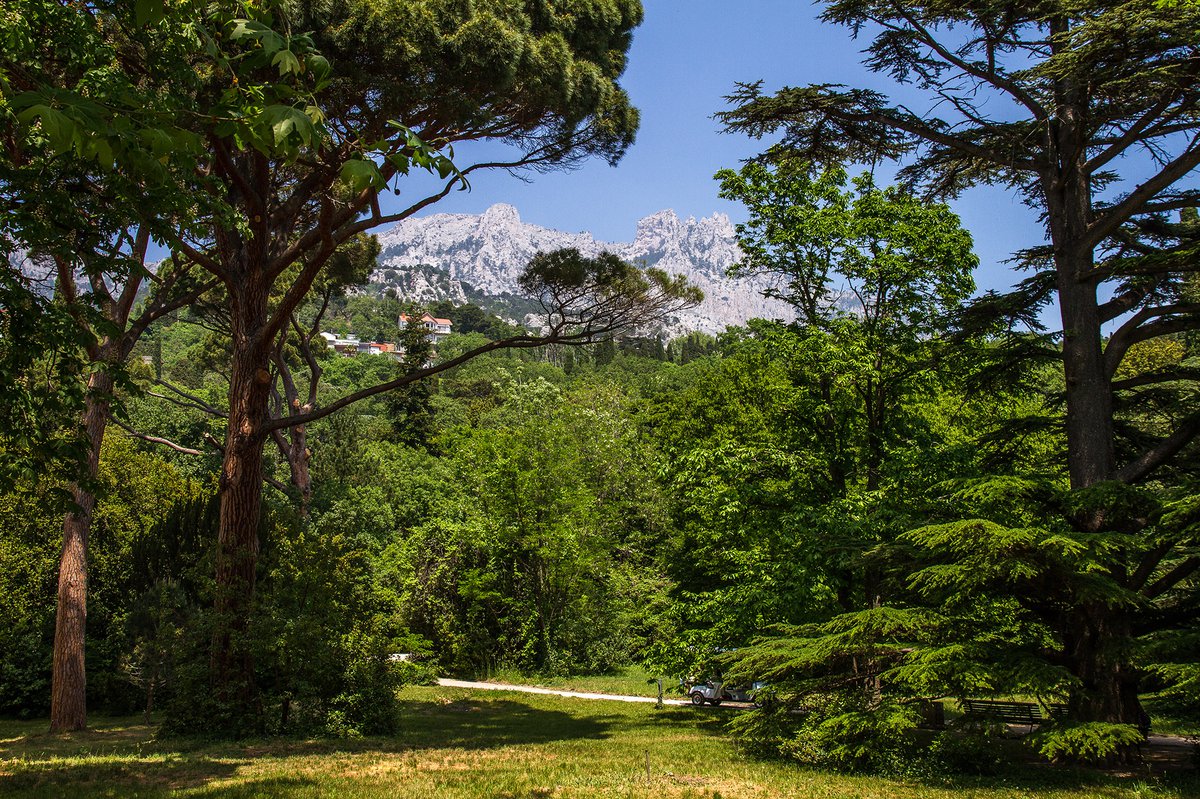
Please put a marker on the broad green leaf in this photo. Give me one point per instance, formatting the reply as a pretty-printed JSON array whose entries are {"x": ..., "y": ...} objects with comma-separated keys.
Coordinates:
[
  {"x": 60, "y": 131},
  {"x": 247, "y": 28},
  {"x": 318, "y": 65},
  {"x": 361, "y": 174},
  {"x": 273, "y": 42},
  {"x": 287, "y": 62}
]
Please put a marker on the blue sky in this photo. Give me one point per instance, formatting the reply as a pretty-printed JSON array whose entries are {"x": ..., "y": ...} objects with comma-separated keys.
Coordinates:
[{"x": 686, "y": 57}]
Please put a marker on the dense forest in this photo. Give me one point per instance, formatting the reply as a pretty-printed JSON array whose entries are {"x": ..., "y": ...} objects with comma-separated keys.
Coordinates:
[{"x": 906, "y": 495}]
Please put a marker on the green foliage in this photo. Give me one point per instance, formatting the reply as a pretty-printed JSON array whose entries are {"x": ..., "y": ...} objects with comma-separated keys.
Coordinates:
[
  {"x": 969, "y": 747},
  {"x": 903, "y": 263},
  {"x": 41, "y": 365},
  {"x": 321, "y": 635},
  {"x": 838, "y": 732},
  {"x": 590, "y": 299},
  {"x": 134, "y": 489},
  {"x": 1088, "y": 84},
  {"x": 1089, "y": 742},
  {"x": 537, "y": 560},
  {"x": 27, "y": 561}
]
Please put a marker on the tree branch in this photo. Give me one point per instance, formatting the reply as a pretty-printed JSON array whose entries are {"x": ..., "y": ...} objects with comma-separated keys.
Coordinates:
[
  {"x": 1107, "y": 223},
  {"x": 156, "y": 440},
  {"x": 1161, "y": 452},
  {"x": 989, "y": 76},
  {"x": 1172, "y": 578}
]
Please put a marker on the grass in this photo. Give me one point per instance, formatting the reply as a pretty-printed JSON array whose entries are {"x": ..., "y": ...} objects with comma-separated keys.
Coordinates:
[
  {"x": 456, "y": 744},
  {"x": 630, "y": 681},
  {"x": 1166, "y": 720}
]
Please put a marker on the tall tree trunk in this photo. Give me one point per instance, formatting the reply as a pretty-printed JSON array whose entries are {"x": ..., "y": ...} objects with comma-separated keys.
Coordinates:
[
  {"x": 1094, "y": 635},
  {"x": 1089, "y": 424},
  {"x": 1095, "y": 642},
  {"x": 241, "y": 500},
  {"x": 1068, "y": 191},
  {"x": 68, "y": 692}
]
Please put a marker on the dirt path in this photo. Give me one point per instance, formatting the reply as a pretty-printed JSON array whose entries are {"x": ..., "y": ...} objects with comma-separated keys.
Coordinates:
[
  {"x": 1170, "y": 743},
  {"x": 529, "y": 689}
]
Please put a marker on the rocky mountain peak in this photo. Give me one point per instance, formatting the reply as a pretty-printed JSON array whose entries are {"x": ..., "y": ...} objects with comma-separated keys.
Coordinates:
[
  {"x": 657, "y": 228},
  {"x": 500, "y": 215},
  {"x": 487, "y": 252}
]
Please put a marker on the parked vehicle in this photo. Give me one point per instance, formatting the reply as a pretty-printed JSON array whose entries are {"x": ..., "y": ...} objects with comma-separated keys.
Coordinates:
[{"x": 715, "y": 692}]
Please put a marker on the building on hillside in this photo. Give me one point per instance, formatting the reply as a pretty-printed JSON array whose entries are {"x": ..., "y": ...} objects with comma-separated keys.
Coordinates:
[
  {"x": 353, "y": 345},
  {"x": 438, "y": 328},
  {"x": 385, "y": 348},
  {"x": 343, "y": 345}
]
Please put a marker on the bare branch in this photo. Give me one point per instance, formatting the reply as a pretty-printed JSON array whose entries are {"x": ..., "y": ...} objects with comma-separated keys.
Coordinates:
[
  {"x": 156, "y": 440},
  {"x": 1156, "y": 378},
  {"x": 1175, "y": 318},
  {"x": 192, "y": 401},
  {"x": 989, "y": 76},
  {"x": 1134, "y": 132}
]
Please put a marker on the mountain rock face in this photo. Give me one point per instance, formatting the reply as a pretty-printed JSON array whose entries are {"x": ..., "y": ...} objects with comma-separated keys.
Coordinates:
[{"x": 451, "y": 256}]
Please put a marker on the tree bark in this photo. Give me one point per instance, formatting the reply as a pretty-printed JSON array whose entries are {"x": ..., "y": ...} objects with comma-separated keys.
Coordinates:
[
  {"x": 298, "y": 465},
  {"x": 1093, "y": 635},
  {"x": 68, "y": 692},
  {"x": 1089, "y": 421},
  {"x": 1094, "y": 646},
  {"x": 241, "y": 499},
  {"x": 1068, "y": 192}
]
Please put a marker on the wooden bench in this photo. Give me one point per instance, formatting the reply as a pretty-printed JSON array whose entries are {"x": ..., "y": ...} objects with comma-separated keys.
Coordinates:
[{"x": 1027, "y": 713}]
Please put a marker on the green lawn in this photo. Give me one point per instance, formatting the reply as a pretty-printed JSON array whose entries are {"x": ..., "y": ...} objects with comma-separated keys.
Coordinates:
[
  {"x": 457, "y": 745},
  {"x": 630, "y": 681}
]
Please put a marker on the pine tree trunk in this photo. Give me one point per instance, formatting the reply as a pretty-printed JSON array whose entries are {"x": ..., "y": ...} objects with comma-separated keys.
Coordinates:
[
  {"x": 68, "y": 692},
  {"x": 1089, "y": 423},
  {"x": 241, "y": 502},
  {"x": 1068, "y": 192}
]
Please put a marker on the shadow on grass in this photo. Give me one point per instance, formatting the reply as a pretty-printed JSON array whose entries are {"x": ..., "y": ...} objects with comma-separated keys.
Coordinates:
[
  {"x": 24, "y": 739},
  {"x": 84, "y": 783},
  {"x": 84, "y": 776},
  {"x": 491, "y": 723}
]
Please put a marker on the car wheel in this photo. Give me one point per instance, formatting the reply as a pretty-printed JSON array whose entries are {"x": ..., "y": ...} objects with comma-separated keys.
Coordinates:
[{"x": 697, "y": 699}]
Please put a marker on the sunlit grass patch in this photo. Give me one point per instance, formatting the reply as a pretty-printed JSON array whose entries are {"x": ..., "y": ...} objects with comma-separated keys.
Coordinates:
[
  {"x": 458, "y": 744},
  {"x": 630, "y": 681}
]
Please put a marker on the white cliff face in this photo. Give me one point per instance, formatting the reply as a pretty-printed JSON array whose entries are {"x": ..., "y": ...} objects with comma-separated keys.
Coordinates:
[{"x": 488, "y": 252}]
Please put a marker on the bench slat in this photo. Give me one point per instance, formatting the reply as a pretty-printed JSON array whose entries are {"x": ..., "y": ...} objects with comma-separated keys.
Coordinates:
[{"x": 1025, "y": 712}]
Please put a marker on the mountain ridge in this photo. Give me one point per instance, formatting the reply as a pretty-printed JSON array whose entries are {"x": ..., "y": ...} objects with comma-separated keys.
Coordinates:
[{"x": 487, "y": 252}]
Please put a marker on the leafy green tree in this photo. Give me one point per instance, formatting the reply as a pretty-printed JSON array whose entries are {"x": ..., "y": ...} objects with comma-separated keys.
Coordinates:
[
  {"x": 739, "y": 552},
  {"x": 470, "y": 318},
  {"x": 97, "y": 163},
  {"x": 690, "y": 347},
  {"x": 874, "y": 275},
  {"x": 540, "y": 560},
  {"x": 497, "y": 70},
  {"x": 1085, "y": 88},
  {"x": 133, "y": 488}
]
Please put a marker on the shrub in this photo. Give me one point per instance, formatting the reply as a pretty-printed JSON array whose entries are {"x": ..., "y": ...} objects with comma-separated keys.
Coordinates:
[
  {"x": 969, "y": 746},
  {"x": 845, "y": 733},
  {"x": 1087, "y": 742}
]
